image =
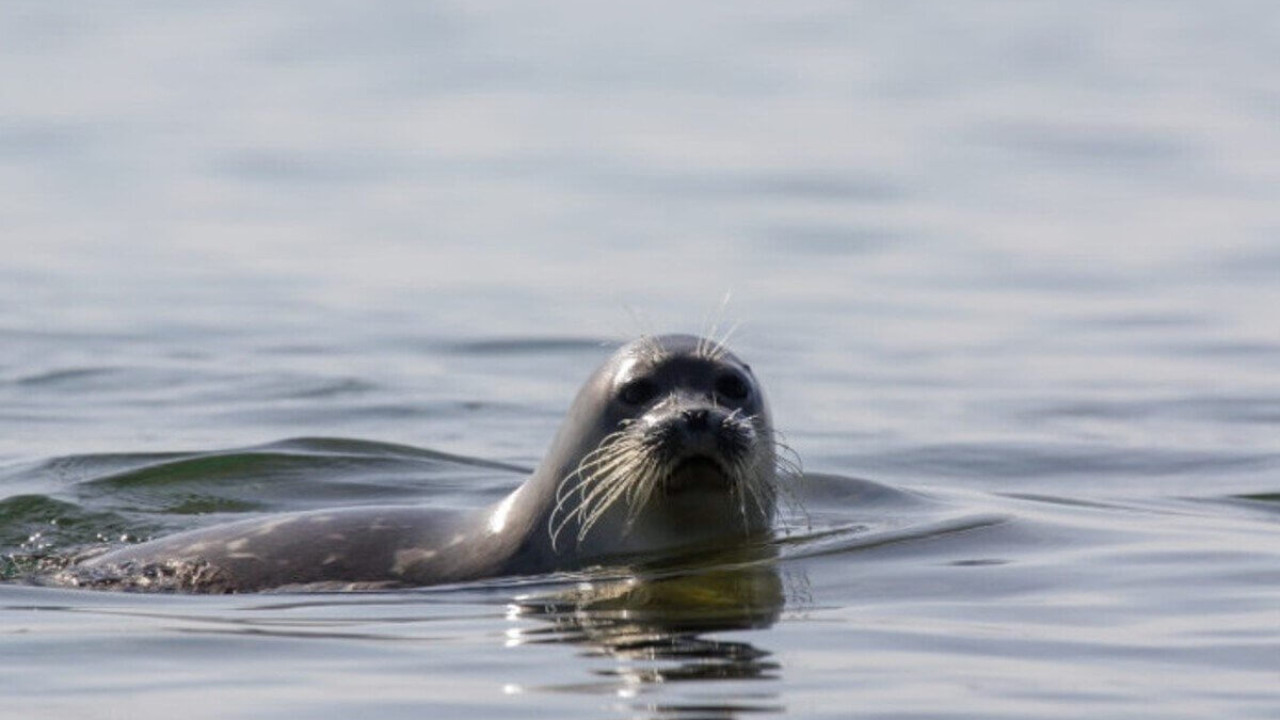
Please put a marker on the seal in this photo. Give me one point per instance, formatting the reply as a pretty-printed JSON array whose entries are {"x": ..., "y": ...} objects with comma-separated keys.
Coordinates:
[{"x": 668, "y": 446}]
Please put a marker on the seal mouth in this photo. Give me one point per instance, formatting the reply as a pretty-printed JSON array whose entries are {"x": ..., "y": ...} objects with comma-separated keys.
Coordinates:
[{"x": 697, "y": 473}]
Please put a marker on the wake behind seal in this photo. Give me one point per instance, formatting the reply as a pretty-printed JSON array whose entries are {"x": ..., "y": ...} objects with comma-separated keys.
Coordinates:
[{"x": 668, "y": 446}]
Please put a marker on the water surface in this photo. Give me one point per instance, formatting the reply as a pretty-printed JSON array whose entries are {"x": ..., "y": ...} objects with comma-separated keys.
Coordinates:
[{"x": 1007, "y": 271}]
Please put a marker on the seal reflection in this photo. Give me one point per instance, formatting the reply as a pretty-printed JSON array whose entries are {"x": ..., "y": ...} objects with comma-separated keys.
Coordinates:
[{"x": 654, "y": 626}]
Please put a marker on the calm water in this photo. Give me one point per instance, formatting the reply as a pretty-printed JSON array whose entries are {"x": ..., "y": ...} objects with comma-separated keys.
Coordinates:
[{"x": 1009, "y": 272}]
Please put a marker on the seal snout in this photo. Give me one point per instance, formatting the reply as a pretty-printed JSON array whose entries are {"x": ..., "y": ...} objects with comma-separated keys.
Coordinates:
[
  {"x": 694, "y": 430},
  {"x": 699, "y": 444},
  {"x": 699, "y": 429},
  {"x": 695, "y": 419}
]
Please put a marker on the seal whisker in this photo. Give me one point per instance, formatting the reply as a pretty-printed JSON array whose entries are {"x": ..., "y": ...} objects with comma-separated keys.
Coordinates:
[
  {"x": 595, "y": 469},
  {"x": 790, "y": 474},
  {"x": 610, "y": 494},
  {"x": 608, "y": 474},
  {"x": 635, "y": 488},
  {"x": 721, "y": 346},
  {"x": 553, "y": 528},
  {"x": 604, "y": 485},
  {"x": 591, "y": 462},
  {"x": 755, "y": 491},
  {"x": 650, "y": 349},
  {"x": 647, "y": 481},
  {"x": 576, "y": 483},
  {"x": 707, "y": 346},
  {"x": 568, "y": 487},
  {"x": 639, "y": 492}
]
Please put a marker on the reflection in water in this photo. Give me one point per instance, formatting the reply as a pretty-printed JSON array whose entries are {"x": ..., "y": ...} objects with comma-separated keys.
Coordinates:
[{"x": 654, "y": 629}]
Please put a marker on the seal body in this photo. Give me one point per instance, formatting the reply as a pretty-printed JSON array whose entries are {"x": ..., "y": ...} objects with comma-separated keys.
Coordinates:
[{"x": 668, "y": 445}]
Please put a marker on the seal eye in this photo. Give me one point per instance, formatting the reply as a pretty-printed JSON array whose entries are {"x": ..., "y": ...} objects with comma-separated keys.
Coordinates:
[
  {"x": 638, "y": 392},
  {"x": 733, "y": 386}
]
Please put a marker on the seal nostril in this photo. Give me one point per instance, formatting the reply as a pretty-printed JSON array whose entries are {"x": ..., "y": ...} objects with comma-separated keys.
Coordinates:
[{"x": 696, "y": 419}]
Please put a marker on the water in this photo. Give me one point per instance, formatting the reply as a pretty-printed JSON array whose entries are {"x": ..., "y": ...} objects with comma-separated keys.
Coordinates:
[{"x": 1008, "y": 272}]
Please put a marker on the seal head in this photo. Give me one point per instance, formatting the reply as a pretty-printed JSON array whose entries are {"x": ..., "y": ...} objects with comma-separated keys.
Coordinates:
[{"x": 669, "y": 444}]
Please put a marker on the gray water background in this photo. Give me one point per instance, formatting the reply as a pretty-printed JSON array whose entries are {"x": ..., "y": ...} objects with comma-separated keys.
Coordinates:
[{"x": 1009, "y": 272}]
